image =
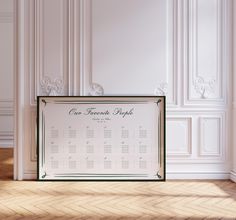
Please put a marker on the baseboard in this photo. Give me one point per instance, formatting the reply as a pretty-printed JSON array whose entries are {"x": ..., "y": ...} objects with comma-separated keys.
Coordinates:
[
  {"x": 30, "y": 176},
  {"x": 174, "y": 176},
  {"x": 233, "y": 176},
  {"x": 197, "y": 175}
]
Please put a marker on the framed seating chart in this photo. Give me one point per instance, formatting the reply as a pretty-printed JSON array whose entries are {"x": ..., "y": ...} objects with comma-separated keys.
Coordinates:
[{"x": 101, "y": 138}]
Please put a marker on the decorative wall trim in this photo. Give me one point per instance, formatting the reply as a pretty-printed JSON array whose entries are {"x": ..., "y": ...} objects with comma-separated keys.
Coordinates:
[
  {"x": 197, "y": 175},
  {"x": 30, "y": 175},
  {"x": 51, "y": 87},
  {"x": 6, "y": 133},
  {"x": 6, "y": 17},
  {"x": 96, "y": 90},
  {"x": 161, "y": 89},
  {"x": 32, "y": 46},
  {"x": 6, "y": 110},
  {"x": 6, "y": 107},
  {"x": 19, "y": 85},
  {"x": 172, "y": 175},
  {"x": 6, "y": 139},
  {"x": 74, "y": 47},
  {"x": 194, "y": 45},
  {"x": 172, "y": 45},
  {"x": 85, "y": 44},
  {"x": 37, "y": 35},
  {"x": 233, "y": 176},
  {"x": 199, "y": 155},
  {"x": 86, "y": 81},
  {"x": 193, "y": 159},
  {"x": 8, "y": 144},
  {"x": 204, "y": 149},
  {"x": 203, "y": 88},
  {"x": 33, "y": 141},
  {"x": 86, "y": 72},
  {"x": 187, "y": 151}
]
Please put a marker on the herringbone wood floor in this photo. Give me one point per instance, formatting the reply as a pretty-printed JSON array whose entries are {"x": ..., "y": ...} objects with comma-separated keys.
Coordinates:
[
  {"x": 6, "y": 163},
  {"x": 118, "y": 200}
]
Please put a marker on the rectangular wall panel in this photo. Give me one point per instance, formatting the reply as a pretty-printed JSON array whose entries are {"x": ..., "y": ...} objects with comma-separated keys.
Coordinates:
[
  {"x": 50, "y": 41},
  {"x": 179, "y": 136},
  {"x": 211, "y": 135},
  {"x": 205, "y": 34},
  {"x": 134, "y": 49}
]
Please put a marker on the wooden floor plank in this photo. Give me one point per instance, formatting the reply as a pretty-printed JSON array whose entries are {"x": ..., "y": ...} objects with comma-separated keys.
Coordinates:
[
  {"x": 6, "y": 163},
  {"x": 178, "y": 200}
]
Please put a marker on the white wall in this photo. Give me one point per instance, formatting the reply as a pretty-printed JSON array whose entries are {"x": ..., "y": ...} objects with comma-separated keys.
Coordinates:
[
  {"x": 6, "y": 73},
  {"x": 135, "y": 47}
]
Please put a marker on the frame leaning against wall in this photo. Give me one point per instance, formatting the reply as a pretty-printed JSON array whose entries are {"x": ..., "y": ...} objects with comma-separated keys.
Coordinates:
[{"x": 155, "y": 137}]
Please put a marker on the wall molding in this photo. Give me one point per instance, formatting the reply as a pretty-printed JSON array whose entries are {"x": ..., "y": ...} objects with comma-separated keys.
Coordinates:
[
  {"x": 70, "y": 47},
  {"x": 6, "y": 139},
  {"x": 52, "y": 87},
  {"x": 8, "y": 144},
  {"x": 86, "y": 72},
  {"x": 233, "y": 176},
  {"x": 216, "y": 94},
  {"x": 202, "y": 149},
  {"x": 85, "y": 44},
  {"x": 204, "y": 87},
  {"x": 33, "y": 140},
  {"x": 195, "y": 160},
  {"x": 7, "y": 110},
  {"x": 6, "y": 133},
  {"x": 30, "y": 176},
  {"x": 196, "y": 153},
  {"x": 96, "y": 90},
  {"x": 197, "y": 175},
  {"x": 6, "y": 17},
  {"x": 19, "y": 85},
  {"x": 6, "y": 106},
  {"x": 188, "y": 148},
  {"x": 172, "y": 175},
  {"x": 161, "y": 89},
  {"x": 37, "y": 40},
  {"x": 74, "y": 47},
  {"x": 172, "y": 53}
]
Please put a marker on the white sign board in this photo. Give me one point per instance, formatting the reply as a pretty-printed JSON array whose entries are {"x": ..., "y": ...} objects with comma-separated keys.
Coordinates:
[{"x": 101, "y": 138}]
